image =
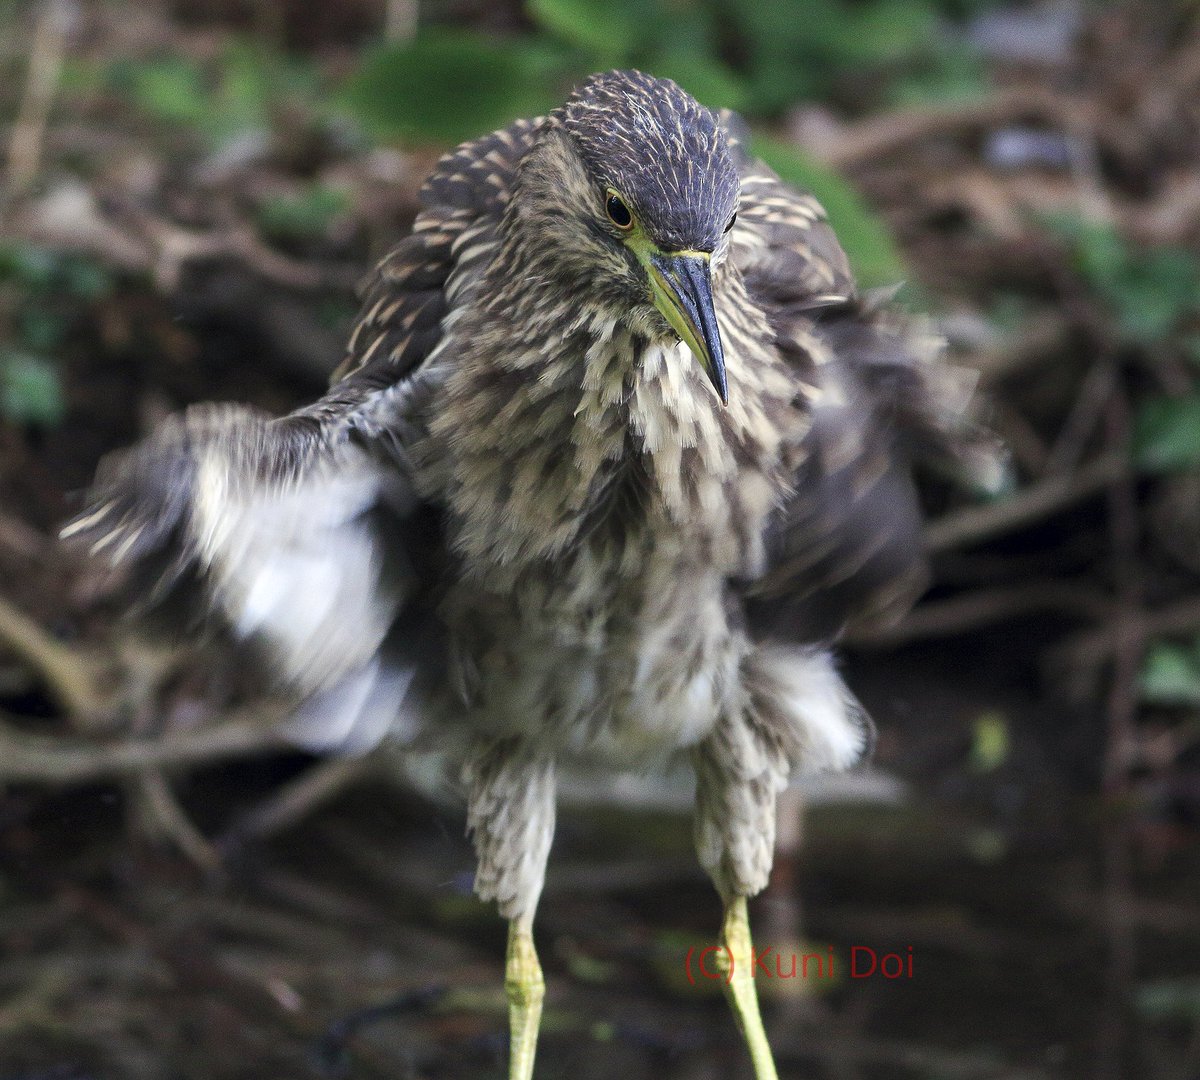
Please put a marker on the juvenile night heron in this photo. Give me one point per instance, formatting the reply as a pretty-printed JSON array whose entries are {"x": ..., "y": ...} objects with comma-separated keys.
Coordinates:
[{"x": 616, "y": 451}]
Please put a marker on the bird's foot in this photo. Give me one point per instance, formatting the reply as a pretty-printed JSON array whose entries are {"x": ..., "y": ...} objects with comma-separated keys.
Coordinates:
[
  {"x": 525, "y": 986},
  {"x": 737, "y": 951}
]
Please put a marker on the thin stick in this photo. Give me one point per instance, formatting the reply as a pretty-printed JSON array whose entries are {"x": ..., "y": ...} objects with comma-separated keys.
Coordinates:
[
  {"x": 170, "y": 820},
  {"x": 45, "y": 66},
  {"x": 984, "y": 607},
  {"x": 296, "y": 800},
  {"x": 70, "y": 677},
  {"x": 981, "y": 523},
  {"x": 61, "y": 760},
  {"x": 888, "y": 133},
  {"x": 1094, "y": 648}
]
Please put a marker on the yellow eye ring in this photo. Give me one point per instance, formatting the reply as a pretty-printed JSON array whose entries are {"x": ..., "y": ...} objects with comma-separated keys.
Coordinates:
[{"x": 618, "y": 213}]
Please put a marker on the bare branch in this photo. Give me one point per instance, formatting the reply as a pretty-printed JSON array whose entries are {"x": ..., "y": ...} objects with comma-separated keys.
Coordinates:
[
  {"x": 979, "y": 523},
  {"x": 45, "y": 66},
  {"x": 71, "y": 678},
  {"x": 65, "y": 760}
]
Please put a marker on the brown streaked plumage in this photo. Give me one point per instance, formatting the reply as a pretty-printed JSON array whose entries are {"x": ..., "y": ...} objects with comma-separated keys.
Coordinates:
[{"x": 522, "y": 520}]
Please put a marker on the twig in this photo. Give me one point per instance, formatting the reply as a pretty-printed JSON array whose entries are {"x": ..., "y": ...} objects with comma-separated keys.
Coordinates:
[
  {"x": 176, "y": 247},
  {"x": 170, "y": 820},
  {"x": 1085, "y": 414},
  {"x": 46, "y": 759},
  {"x": 70, "y": 677},
  {"x": 45, "y": 66},
  {"x": 296, "y": 800},
  {"x": 400, "y": 21},
  {"x": 980, "y": 608},
  {"x": 1130, "y": 636},
  {"x": 137, "y": 240},
  {"x": 876, "y": 138},
  {"x": 1091, "y": 649},
  {"x": 976, "y": 524}
]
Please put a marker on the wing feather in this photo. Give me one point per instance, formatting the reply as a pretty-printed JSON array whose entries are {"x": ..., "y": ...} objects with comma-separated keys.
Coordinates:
[
  {"x": 304, "y": 534},
  {"x": 406, "y": 296},
  {"x": 845, "y": 546}
]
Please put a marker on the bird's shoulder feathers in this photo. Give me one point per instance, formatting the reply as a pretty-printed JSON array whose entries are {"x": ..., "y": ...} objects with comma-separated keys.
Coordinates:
[
  {"x": 845, "y": 545},
  {"x": 408, "y": 294},
  {"x": 783, "y": 244}
]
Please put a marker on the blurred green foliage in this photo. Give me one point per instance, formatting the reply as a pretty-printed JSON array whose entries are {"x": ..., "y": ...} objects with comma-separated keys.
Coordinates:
[
  {"x": 1149, "y": 292},
  {"x": 30, "y": 389},
  {"x": 303, "y": 216},
  {"x": 1175, "y": 1000},
  {"x": 759, "y": 58},
  {"x": 240, "y": 92},
  {"x": 41, "y": 293},
  {"x": 1151, "y": 296},
  {"x": 1166, "y": 435},
  {"x": 453, "y": 82},
  {"x": 991, "y": 742},
  {"x": 448, "y": 85},
  {"x": 1171, "y": 674},
  {"x": 803, "y": 49}
]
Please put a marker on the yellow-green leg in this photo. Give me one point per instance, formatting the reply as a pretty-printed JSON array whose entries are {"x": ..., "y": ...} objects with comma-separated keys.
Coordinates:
[
  {"x": 525, "y": 987},
  {"x": 740, "y": 988}
]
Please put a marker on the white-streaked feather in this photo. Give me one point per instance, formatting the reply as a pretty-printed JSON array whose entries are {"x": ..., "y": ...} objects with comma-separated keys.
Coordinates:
[
  {"x": 300, "y": 565},
  {"x": 799, "y": 697}
]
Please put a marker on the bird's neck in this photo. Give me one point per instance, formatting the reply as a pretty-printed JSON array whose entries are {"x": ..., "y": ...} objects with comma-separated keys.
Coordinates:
[{"x": 565, "y": 421}]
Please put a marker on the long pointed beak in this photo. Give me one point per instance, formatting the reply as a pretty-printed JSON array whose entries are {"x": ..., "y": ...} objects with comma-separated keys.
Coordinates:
[{"x": 682, "y": 287}]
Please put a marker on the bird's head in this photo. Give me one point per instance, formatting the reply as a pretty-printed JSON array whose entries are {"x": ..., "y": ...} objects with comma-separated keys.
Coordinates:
[{"x": 632, "y": 193}]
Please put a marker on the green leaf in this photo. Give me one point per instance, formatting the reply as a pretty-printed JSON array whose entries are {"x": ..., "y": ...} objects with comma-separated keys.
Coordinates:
[
  {"x": 171, "y": 89},
  {"x": 702, "y": 75},
  {"x": 990, "y": 744},
  {"x": 883, "y": 30},
  {"x": 1170, "y": 675},
  {"x": 954, "y": 74},
  {"x": 30, "y": 390},
  {"x": 1169, "y": 999},
  {"x": 797, "y": 49},
  {"x": 1149, "y": 292},
  {"x": 782, "y": 64},
  {"x": 1166, "y": 434},
  {"x": 610, "y": 27},
  {"x": 86, "y": 278},
  {"x": 41, "y": 329},
  {"x": 863, "y": 234},
  {"x": 242, "y": 96},
  {"x": 1157, "y": 290},
  {"x": 32, "y": 267},
  {"x": 450, "y": 85},
  {"x": 304, "y": 216},
  {"x": 233, "y": 93}
]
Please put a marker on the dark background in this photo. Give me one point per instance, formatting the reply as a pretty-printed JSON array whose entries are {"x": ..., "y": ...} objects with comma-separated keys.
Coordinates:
[{"x": 192, "y": 190}]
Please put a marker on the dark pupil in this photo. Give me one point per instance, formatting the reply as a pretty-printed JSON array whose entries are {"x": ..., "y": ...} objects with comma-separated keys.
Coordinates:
[{"x": 618, "y": 211}]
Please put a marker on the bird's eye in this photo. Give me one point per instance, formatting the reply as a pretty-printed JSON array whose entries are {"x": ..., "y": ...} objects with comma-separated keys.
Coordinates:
[
  {"x": 732, "y": 222},
  {"x": 618, "y": 213}
]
